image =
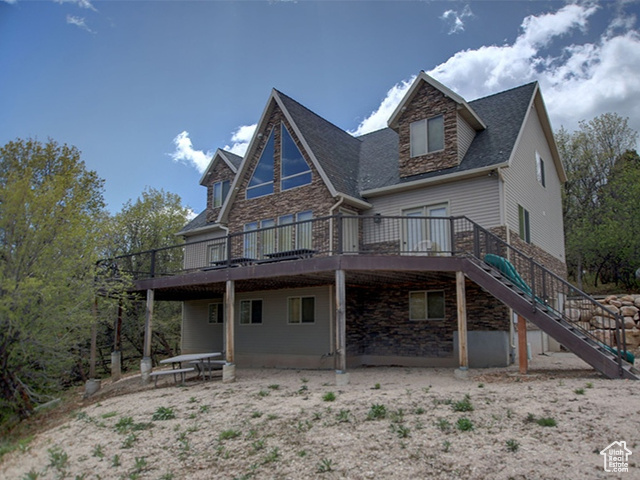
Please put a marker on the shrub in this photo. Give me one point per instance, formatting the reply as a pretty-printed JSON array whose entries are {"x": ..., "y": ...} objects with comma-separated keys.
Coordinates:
[
  {"x": 329, "y": 397},
  {"x": 464, "y": 424},
  {"x": 164, "y": 413},
  {"x": 463, "y": 405},
  {"x": 376, "y": 412}
]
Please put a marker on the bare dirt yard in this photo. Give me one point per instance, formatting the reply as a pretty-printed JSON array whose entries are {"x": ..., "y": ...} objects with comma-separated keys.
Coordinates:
[{"x": 388, "y": 423}]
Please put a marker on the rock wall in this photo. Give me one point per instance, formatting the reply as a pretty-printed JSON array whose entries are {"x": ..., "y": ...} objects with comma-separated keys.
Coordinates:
[{"x": 601, "y": 323}]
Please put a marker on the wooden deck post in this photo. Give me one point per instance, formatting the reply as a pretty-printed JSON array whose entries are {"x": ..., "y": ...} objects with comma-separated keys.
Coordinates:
[
  {"x": 229, "y": 369},
  {"x": 341, "y": 322},
  {"x": 146, "y": 364},
  {"x": 522, "y": 346},
  {"x": 461, "y": 301},
  {"x": 116, "y": 354}
]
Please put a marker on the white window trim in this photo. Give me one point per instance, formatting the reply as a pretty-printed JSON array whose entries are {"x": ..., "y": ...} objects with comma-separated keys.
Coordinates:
[
  {"x": 300, "y": 322},
  {"x": 251, "y": 300},
  {"x": 426, "y": 305},
  {"x": 426, "y": 128}
]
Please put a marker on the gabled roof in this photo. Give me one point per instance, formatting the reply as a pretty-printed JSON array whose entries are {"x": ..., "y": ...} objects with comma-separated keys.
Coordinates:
[
  {"x": 231, "y": 159},
  {"x": 336, "y": 151},
  {"x": 464, "y": 109},
  {"x": 503, "y": 115}
]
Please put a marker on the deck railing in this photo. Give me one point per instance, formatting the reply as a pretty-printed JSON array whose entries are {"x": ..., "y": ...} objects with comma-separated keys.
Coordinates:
[{"x": 380, "y": 235}]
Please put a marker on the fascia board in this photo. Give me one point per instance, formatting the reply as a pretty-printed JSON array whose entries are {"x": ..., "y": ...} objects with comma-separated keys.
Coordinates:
[
  {"x": 376, "y": 192},
  {"x": 548, "y": 132}
]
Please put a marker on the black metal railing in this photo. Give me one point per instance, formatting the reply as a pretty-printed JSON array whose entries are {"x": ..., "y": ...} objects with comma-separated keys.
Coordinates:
[{"x": 385, "y": 235}]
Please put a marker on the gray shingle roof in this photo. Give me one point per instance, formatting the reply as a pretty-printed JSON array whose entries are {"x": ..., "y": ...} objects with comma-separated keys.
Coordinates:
[
  {"x": 502, "y": 113},
  {"x": 354, "y": 165},
  {"x": 336, "y": 151}
]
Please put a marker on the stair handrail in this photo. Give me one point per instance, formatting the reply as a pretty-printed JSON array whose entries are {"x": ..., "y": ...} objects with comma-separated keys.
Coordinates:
[{"x": 619, "y": 332}]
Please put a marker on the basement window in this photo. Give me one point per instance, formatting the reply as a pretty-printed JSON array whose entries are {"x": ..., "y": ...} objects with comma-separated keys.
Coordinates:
[
  {"x": 216, "y": 312},
  {"x": 250, "y": 312},
  {"x": 301, "y": 310},
  {"x": 426, "y": 305}
]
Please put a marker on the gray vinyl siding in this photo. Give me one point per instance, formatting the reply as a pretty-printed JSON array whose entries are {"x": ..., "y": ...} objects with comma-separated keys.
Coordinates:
[
  {"x": 466, "y": 134},
  {"x": 197, "y": 251},
  {"x": 523, "y": 188},
  {"x": 477, "y": 198},
  {"x": 197, "y": 334},
  {"x": 273, "y": 336}
]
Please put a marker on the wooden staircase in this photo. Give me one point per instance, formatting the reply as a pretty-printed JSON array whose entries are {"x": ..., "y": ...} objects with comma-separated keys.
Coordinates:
[{"x": 550, "y": 321}]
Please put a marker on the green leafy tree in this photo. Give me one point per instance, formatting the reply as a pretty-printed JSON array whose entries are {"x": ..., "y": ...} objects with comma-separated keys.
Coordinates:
[
  {"x": 50, "y": 206},
  {"x": 590, "y": 155},
  {"x": 147, "y": 225}
]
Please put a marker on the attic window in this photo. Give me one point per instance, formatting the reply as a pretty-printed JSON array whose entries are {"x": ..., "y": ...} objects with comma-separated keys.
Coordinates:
[
  {"x": 295, "y": 170},
  {"x": 220, "y": 191},
  {"x": 261, "y": 182},
  {"x": 427, "y": 136}
]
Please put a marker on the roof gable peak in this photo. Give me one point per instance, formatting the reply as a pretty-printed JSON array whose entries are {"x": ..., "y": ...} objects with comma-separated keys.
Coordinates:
[{"x": 463, "y": 107}]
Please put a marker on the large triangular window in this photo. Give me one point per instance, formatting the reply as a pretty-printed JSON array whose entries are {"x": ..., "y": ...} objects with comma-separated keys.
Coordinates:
[
  {"x": 295, "y": 170},
  {"x": 261, "y": 183}
]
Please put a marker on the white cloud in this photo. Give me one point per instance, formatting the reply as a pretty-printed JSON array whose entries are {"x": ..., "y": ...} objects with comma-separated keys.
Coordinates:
[
  {"x": 80, "y": 3},
  {"x": 78, "y": 22},
  {"x": 241, "y": 139},
  {"x": 455, "y": 20},
  {"x": 582, "y": 81},
  {"x": 185, "y": 153},
  {"x": 378, "y": 118}
]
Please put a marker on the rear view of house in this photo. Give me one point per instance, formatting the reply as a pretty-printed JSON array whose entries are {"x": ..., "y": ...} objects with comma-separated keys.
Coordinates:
[{"x": 318, "y": 249}]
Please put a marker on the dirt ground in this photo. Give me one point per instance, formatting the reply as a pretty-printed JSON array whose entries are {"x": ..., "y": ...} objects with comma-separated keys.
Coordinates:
[{"x": 388, "y": 423}]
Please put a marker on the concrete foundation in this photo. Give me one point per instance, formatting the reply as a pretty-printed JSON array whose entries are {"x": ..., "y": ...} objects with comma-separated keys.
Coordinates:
[
  {"x": 228, "y": 373},
  {"x": 145, "y": 369},
  {"x": 116, "y": 366}
]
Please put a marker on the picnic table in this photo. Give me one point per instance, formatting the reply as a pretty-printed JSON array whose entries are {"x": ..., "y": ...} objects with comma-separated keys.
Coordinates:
[{"x": 201, "y": 360}]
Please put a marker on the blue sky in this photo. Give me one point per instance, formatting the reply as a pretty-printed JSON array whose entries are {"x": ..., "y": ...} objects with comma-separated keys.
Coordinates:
[{"x": 149, "y": 90}]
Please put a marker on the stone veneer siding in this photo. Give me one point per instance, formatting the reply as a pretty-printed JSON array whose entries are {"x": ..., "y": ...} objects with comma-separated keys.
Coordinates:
[
  {"x": 314, "y": 197},
  {"x": 220, "y": 173},
  {"x": 428, "y": 102},
  {"x": 378, "y": 319},
  {"x": 539, "y": 255}
]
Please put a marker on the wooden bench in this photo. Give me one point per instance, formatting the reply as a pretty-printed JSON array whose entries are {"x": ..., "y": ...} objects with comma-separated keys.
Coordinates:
[{"x": 182, "y": 371}]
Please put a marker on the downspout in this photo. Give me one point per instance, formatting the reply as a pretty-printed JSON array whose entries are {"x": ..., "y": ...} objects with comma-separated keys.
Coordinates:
[{"x": 331, "y": 213}]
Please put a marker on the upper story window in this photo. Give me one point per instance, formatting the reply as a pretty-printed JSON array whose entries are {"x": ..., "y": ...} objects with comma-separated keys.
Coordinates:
[
  {"x": 427, "y": 136},
  {"x": 295, "y": 170},
  {"x": 261, "y": 182},
  {"x": 540, "y": 170},
  {"x": 220, "y": 191}
]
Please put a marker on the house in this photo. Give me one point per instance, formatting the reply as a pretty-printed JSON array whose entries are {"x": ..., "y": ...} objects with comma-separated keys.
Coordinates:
[{"x": 318, "y": 249}]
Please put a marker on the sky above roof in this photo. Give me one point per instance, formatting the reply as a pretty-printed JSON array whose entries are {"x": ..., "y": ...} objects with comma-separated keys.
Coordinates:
[{"x": 149, "y": 90}]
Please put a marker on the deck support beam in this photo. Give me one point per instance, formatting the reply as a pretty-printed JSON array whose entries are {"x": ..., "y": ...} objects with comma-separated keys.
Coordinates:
[
  {"x": 523, "y": 360},
  {"x": 461, "y": 302},
  {"x": 229, "y": 368},
  {"x": 341, "y": 330},
  {"x": 146, "y": 364}
]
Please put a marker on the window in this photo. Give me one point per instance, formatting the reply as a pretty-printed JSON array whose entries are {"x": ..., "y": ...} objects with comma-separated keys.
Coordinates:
[
  {"x": 523, "y": 223},
  {"x": 250, "y": 312},
  {"x": 261, "y": 182},
  {"x": 295, "y": 170},
  {"x": 217, "y": 252},
  {"x": 285, "y": 233},
  {"x": 540, "y": 169},
  {"x": 268, "y": 237},
  {"x": 303, "y": 230},
  {"x": 216, "y": 312},
  {"x": 220, "y": 191},
  {"x": 251, "y": 240},
  {"x": 427, "y": 136},
  {"x": 301, "y": 310},
  {"x": 426, "y": 305}
]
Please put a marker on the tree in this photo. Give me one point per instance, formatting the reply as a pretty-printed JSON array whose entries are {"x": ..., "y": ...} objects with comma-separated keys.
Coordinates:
[
  {"x": 148, "y": 224},
  {"x": 49, "y": 206},
  {"x": 589, "y": 156}
]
